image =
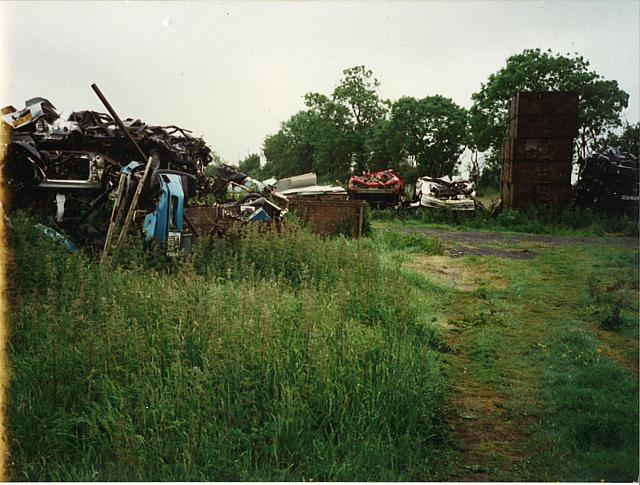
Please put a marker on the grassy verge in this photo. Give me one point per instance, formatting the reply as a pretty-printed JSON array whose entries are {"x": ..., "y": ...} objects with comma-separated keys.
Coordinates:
[
  {"x": 544, "y": 360},
  {"x": 533, "y": 219},
  {"x": 266, "y": 357}
]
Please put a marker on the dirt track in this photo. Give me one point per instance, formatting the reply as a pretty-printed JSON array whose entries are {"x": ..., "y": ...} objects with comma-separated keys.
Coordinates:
[
  {"x": 495, "y": 400},
  {"x": 462, "y": 243}
]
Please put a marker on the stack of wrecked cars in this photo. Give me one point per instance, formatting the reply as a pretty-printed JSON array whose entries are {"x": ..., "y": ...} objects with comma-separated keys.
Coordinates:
[
  {"x": 609, "y": 182},
  {"x": 92, "y": 176}
]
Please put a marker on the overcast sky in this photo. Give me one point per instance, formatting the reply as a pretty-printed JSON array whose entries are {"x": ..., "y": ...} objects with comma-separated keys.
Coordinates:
[{"x": 232, "y": 72}]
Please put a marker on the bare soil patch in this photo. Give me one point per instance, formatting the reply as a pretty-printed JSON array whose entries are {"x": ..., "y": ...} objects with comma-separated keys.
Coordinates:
[{"x": 450, "y": 272}]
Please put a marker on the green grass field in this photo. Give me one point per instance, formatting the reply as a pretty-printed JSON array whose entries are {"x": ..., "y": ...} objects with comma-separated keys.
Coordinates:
[
  {"x": 289, "y": 357},
  {"x": 572, "y": 221}
]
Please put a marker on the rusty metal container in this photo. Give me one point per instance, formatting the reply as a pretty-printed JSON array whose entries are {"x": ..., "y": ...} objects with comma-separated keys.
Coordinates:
[
  {"x": 538, "y": 150},
  {"x": 330, "y": 217},
  {"x": 537, "y": 172},
  {"x": 523, "y": 194},
  {"x": 555, "y": 103}
]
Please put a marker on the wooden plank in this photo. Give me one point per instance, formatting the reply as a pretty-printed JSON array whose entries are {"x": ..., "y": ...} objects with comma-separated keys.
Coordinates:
[
  {"x": 134, "y": 204},
  {"x": 114, "y": 216}
]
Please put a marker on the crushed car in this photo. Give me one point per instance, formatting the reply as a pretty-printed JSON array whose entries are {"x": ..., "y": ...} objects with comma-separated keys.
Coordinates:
[
  {"x": 445, "y": 193},
  {"x": 382, "y": 189}
]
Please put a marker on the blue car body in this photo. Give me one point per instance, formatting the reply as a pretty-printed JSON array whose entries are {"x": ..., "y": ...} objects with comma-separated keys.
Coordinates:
[{"x": 165, "y": 224}]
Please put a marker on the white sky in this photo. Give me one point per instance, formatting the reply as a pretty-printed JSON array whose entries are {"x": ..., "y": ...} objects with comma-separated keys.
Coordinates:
[{"x": 231, "y": 72}]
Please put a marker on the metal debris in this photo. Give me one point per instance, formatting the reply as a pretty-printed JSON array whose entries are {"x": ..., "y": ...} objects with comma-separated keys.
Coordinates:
[
  {"x": 92, "y": 175},
  {"x": 383, "y": 188},
  {"x": 609, "y": 181},
  {"x": 445, "y": 193},
  {"x": 306, "y": 185}
]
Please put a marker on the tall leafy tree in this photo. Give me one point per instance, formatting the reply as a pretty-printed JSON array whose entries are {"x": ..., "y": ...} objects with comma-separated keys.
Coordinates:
[
  {"x": 251, "y": 166},
  {"x": 290, "y": 151},
  {"x": 627, "y": 140},
  {"x": 357, "y": 92},
  {"x": 353, "y": 110},
  {"x": 430, "y": 132},
  {"x": 601, "y": 100}
]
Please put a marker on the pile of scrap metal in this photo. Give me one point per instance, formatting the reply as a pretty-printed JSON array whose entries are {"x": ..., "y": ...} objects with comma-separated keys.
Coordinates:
[
  {"x": 229, "y": 184},
  {"x": 609, "y": 182},
  {"x": 383, "y": 188},
  {"x": 444, "y": 193},
  {"x": 306, "y": 185},
  {"x": 93, "y": 175}
]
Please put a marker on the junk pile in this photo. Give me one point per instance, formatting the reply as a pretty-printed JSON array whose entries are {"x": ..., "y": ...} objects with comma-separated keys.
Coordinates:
[
  {"x": 382, "y": 189},
  {"x": 93, "y": 175},
  {"x": 324, "y": 207},
  {"x": 306, "y": 185},
  {"x": 609, "y": 182},
  {"x": 444, "y": 193}
]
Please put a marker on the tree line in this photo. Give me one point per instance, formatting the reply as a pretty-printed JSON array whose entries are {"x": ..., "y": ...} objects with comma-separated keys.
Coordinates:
[{"x": 353, "y": 129}]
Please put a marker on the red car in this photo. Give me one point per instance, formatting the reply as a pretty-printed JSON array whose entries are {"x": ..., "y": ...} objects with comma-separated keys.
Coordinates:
[{"x": 382, "y": 188}]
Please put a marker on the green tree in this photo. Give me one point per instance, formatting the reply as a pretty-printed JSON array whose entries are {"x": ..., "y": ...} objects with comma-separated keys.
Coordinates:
[
  {"x": 331, "y": 136},
  {"x": 350, "y": 116},
  {"x": 628, "y": 140},
  {"x": 290, "y": 151},
  {"x": 428, "y": 132},
  {"x": 601, "y": 100},
  {"x": 357, "y": 92},
  {"x": 251, "y": 166}
]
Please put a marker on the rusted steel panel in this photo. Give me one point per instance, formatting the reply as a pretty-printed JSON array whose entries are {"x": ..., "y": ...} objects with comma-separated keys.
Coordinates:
[
  {"x": 506, "y": 171},
  {"x": 336, "y": 196},
  {"x": 209, "y": 221},
  {"x": 520, "y": 195},
  {"x": 506, "y": 149},
  {"x": 330, "y": 217},
  {"x": 563, "y": 103},
  {"x": 215, "y": 221},
  {"x": 543, "y": 126},
  {"x": 538, "y": 149},
  {"x": 539, "y": 173}
]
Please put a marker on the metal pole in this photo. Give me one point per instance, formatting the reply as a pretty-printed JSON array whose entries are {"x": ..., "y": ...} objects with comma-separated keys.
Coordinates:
[{"x": 118, "y": 120}]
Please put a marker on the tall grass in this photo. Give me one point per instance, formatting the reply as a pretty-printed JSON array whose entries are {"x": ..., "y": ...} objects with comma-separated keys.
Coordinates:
[{"x": 266, "y": 357}]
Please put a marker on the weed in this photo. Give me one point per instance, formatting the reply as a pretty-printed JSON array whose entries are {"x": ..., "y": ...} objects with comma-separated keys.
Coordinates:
[
  {"x": 408, "y": 241},
  {"x": 265, "y": 357},
  {"x": 594, "y": 407}
]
